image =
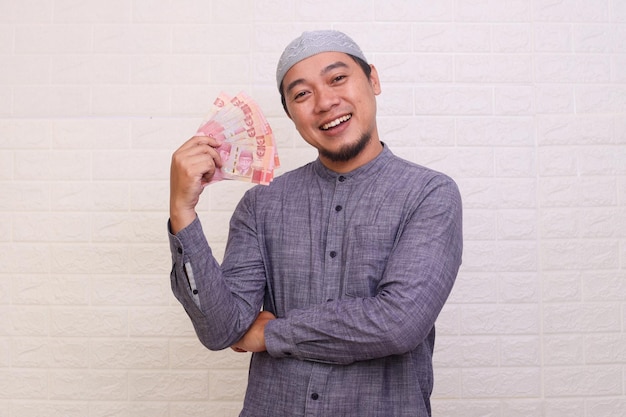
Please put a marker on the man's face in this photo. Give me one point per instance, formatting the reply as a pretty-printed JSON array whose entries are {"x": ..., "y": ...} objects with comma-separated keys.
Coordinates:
[{"x": 333, "y": 106}]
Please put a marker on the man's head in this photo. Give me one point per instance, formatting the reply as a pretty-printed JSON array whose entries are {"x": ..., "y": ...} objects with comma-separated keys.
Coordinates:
[
  {"x": 315, "y": 42},
  {"x": 328, "y": 90}
]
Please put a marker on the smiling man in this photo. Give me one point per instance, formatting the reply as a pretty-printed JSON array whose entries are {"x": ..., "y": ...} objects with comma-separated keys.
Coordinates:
[
  {"x": 350, "y": 257},
  {"x": 334, "y": 108}
]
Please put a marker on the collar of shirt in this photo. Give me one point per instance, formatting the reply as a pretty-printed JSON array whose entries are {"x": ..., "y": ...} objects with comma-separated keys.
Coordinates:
[{"x": 359, "y": 174}]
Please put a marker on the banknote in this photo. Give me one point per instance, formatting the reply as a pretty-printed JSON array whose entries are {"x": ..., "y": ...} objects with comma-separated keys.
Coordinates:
[{"x": 246, "y": 141}]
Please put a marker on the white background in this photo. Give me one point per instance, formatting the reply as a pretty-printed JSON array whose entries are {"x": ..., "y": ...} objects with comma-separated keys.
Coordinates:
[{"x": 522, "y": 102}]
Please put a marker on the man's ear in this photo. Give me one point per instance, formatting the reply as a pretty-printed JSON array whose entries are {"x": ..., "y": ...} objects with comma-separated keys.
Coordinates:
[{"x": 374, "y": 80}]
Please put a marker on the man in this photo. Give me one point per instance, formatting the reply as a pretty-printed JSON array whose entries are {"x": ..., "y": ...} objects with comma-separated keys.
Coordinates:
[
  {"x": 244, "y": 163},
  {"x": 351, "y": 256},
  {"x": 224, "y": 152}
]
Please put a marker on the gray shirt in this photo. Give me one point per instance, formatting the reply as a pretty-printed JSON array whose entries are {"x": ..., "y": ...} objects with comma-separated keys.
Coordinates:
[{"x": 355, "y": 266}]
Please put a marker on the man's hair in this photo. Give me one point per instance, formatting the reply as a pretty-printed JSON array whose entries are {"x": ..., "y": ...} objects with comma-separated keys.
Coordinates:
[{"x": 364, "y": 66}]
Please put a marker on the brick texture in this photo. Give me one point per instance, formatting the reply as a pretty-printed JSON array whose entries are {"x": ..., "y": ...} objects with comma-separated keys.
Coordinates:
[{"x": 523, "y": 102}]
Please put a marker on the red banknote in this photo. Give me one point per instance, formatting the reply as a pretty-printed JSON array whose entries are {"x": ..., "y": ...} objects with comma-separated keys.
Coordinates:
[{"x": 247, "y": 145}]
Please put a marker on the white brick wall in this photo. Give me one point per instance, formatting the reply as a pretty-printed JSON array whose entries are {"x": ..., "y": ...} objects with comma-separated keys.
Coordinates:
[{"x": 523, "y": 102}]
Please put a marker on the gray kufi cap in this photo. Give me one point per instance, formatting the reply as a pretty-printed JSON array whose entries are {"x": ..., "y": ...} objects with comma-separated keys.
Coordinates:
[{"x": 313, "y": 43}]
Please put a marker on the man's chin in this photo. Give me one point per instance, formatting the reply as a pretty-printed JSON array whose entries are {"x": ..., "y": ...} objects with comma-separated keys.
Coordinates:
[{"x": 348, "y": 151}]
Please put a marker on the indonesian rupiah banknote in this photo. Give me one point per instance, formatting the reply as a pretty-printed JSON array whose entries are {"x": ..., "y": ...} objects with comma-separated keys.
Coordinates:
[{"x": 247, "y": 145}]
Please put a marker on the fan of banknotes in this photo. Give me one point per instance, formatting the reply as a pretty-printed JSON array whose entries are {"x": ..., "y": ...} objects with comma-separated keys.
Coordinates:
[{"x": 247, "y": 145}]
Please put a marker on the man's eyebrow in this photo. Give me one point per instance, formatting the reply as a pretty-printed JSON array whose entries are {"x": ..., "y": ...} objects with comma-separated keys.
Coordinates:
[
  {"x": 325, "y": 70},
  {"x": 293, "y": 84},
  {"x": 338, "y": 64}
]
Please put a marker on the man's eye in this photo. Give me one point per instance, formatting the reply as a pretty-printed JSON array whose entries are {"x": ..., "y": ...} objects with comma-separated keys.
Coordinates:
[
  {"x": 299, "y": 95},
  {"x": 339, "y": 78}
]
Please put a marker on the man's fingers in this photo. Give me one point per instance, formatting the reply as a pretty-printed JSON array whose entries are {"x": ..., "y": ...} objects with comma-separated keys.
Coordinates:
[
  {"x": 201, "y": 140},
  {"x": 201, "y": 159},
  {"x": 266, "y": 316}
]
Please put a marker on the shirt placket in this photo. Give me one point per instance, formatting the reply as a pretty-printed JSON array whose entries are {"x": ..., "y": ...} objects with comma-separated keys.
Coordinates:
[
  {"x": 334, "y": 240},
  {"x": 317, "y": 394}
]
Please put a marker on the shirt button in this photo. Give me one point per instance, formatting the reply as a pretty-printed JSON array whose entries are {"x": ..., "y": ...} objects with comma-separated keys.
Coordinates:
[
  {"x": 179, "y": 250},
  {"x": 195, "y": 291},
  {"x": 315, "y": 396},
  {"x": 333, "y": 254},
  {"x": 338, "y": 208},
  {"x": 341, "y": 178}
]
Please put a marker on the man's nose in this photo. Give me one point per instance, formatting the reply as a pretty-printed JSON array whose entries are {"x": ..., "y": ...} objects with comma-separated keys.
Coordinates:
[{"x": 325, "y": 99}]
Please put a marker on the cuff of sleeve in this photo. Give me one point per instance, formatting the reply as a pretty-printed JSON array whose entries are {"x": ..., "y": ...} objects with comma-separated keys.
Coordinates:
[
  {"x": 278, "y": 339},
  {"x": 188, "y": 240}
]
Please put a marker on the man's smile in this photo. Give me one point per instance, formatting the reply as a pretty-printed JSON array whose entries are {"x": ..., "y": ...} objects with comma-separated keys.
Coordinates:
[{"x": 336, "y": 122}]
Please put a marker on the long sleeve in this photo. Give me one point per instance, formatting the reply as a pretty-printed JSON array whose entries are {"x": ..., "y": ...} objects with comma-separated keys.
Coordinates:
[{"x": 220, "y": 315}]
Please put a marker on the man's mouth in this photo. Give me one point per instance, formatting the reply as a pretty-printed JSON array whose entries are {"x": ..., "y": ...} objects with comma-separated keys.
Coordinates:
[{"x": 336, "y": 122}]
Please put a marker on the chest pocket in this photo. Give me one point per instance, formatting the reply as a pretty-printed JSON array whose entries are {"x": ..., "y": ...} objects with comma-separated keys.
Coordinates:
[{"x": 368, "y": 249}]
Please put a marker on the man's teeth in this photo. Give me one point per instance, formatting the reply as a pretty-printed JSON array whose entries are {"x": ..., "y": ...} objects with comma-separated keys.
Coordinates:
[{"x": 336, "y": 122}]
